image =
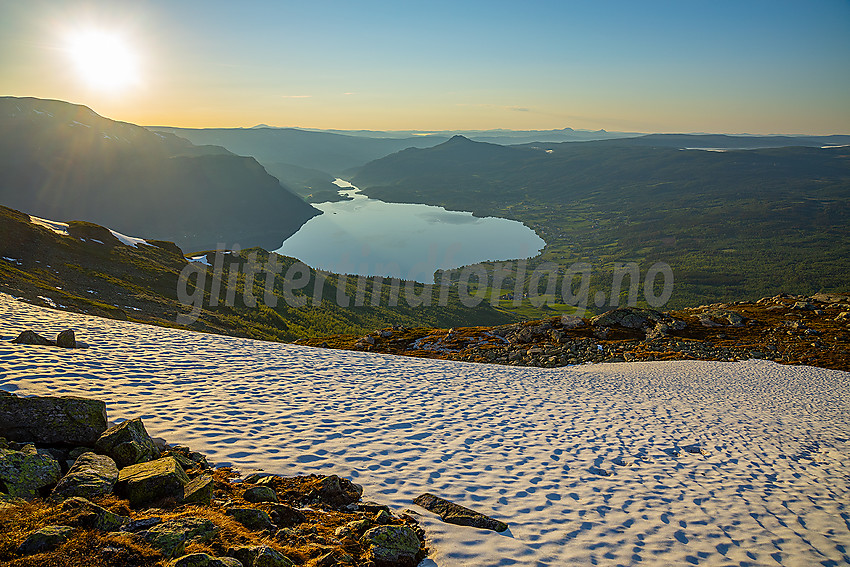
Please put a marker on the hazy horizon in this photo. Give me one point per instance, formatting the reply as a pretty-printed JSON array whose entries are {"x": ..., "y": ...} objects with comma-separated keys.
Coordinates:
[{"x": 756, "y": 68}]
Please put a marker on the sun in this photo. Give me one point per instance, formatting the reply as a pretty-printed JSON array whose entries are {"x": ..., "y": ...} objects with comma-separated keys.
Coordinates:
[{"x": 103, "y": 60}]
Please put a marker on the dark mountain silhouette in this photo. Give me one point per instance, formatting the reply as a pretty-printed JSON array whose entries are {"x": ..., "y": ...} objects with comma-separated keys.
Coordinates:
[
  {"x": 323, "y": 151},
  {"x": 60, "y": 160}
]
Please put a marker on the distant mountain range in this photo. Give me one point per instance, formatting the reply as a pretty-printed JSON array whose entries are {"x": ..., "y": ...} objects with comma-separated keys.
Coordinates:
[{"x": 60, "y": 160}]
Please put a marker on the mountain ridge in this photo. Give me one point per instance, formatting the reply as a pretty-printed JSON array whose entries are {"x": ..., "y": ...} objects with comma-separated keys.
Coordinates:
[{"x": 63, "y": 160}]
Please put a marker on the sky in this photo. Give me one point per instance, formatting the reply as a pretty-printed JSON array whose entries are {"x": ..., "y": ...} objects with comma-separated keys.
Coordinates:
[{"x": 744, "y": 66}]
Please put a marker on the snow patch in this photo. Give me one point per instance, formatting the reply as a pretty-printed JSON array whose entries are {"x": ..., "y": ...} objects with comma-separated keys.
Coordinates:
[
  {"x": 577, "y": 460},
  {"x": 129, "y": 240},
  {"x": 57, "y": 227},
  {"x": 47, "y": 300}
]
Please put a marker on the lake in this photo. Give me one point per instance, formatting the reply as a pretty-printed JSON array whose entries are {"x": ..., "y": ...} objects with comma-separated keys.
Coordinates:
[{"x": 369, "y": 237}]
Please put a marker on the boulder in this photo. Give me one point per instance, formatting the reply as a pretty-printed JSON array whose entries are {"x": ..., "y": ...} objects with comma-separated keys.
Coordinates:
[
  {"x": 89, "y": 515},
  {"x": 269, "y": 557},
  {"x": 260, "y": 494},
  {"x": 172, "y": 536},
  {"x": 24, "y": 473},
  {"x": 395, "y": 546},
  {"x": 286, "y": 516},
  {"x": 251, "y": 518},
  {"x": 33, "y": 338},
  {"x": 260, "y": 556},
  {"x": 456, "y": 514},
  {"x": 628, "y": 317},
  {"x": 199, "y": 490},
  {"x": 63, "y": 421},
  {"x": 571, "y": 321},
  {"x": 128, "y": 443},
  {"x": 204, "y": 560},
  {"x": 338, "y": 492},
  {"x": 91, "y": 475},
  {"x": 47, "y": 538},
  {"x": 152, "y": 481},
  {"x": 721, "y": 317},
  {"x": 66, "y": 339}
]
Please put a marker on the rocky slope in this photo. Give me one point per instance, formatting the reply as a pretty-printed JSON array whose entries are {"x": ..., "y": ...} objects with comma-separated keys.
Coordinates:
[
  {"x": 74, "y": 491},
  {"x": 786, "y": 328}
]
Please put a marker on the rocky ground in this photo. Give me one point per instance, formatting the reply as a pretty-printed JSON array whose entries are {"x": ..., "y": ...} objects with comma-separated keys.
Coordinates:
[
  {"x": 789, "y": 329},
  {"x": 74, "y": 492}
]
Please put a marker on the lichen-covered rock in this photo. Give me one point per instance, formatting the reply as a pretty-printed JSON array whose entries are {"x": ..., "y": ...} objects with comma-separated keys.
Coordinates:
[
  {"x": 89, "y": 515},
  {"x": 65, "y": 420},
  {"x": 91, "y": 475},
  {"x": 396, "y": 546},
  {"x": 23, "y": 473},
  {"x": 171, "y": 537},
  {"x": 45, "y": 539},
  {"x": 269, "y": 557},
  {"x": 66, "y": 339},
  {"x": 260, "y": 556},
  {"x": 199, "y": 490},
  {"x": 128, "y": 443},
  {"x": 456, "y": 514},
  {"x": 260, "y": 494},
  {"x": 251, "y": 518},
  {"x": 152, "y": 481}
]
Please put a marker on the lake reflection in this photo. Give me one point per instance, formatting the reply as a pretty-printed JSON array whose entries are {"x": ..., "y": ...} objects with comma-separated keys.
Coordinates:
[{"x": 369, "y": 237}]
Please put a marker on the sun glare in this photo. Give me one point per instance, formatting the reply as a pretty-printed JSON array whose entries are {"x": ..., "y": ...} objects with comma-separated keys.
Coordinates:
[{"x": 103, "y": 60}]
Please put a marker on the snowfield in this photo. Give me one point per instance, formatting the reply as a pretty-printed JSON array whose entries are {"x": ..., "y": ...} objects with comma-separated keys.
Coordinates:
[{"x": 587, "y": 464}]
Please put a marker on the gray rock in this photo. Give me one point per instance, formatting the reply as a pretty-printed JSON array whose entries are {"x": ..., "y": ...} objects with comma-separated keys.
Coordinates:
[
  {"x": 721, "y": 317},
  {"x": 199, "y": 490},
  {"x": 47, "y": 538},
  {"x": 128, "y": 443},
  {"x": 628, "y": 317},
  {"x": 392, "y": 546},
  {"x": 33, "y": 338},
  {"x": 457, "y": 514},
  {"x": 66, "y": 339},
  {"x": 68, "y": 421},
  {"x": 90, "y": 515},
  {"x": 23, "y": 473},
  {"x": 147, "y": 483},
  {"x": 571, "y": 321},
  {"x": 91, "y": 475},
  {"x": 260, "y": 494},
  {"x": 251, "y": 518}
]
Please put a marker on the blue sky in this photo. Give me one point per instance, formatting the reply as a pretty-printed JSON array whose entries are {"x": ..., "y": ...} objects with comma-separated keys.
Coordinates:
[{"x": 747, "y": 66}]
